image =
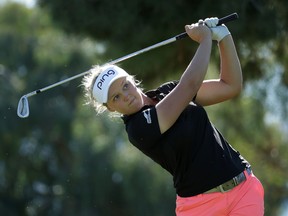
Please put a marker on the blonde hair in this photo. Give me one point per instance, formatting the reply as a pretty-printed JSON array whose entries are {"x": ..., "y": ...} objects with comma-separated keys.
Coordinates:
[{"x": 88, "y": 82}]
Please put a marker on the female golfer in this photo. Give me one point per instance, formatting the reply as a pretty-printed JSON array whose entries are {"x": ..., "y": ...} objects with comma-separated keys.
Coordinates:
[{"x": 170, "y": 126}]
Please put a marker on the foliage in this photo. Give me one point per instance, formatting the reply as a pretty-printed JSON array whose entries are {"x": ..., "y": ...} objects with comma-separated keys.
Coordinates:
[
  {"x": 64, "y": 160},
  {"x": 52, "y": 163},
  {"x": 128, "y": 26}
]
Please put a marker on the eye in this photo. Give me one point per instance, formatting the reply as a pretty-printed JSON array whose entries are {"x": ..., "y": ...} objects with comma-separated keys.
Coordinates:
[
  {"x": 116, "y": 97},
  {"x": 126, "y": 85}
]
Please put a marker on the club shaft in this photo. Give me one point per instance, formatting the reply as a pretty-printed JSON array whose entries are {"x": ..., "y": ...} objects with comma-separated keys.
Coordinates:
[{"x": 222, "y": 20}]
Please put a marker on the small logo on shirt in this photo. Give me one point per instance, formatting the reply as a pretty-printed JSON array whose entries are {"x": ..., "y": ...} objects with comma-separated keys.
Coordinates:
[{"x": 147, "y": 115}]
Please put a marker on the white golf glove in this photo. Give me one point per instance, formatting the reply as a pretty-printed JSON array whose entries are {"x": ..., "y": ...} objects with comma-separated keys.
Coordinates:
[{"x": 218, "y": 32}]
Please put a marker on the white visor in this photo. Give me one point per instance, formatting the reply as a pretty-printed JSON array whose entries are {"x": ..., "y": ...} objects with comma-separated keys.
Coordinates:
[{"x": 101, "y": 86}]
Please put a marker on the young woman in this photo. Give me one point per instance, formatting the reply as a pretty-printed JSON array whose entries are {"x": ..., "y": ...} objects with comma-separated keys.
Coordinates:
[{"x": 170, "y": 126}]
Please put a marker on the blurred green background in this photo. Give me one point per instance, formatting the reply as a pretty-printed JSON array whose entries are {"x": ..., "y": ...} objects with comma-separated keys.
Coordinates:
[{"x": 65, "y": 160}]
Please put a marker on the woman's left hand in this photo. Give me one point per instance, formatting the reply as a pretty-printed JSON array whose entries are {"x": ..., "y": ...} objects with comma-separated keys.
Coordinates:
[{"x": 198, "y": 31}]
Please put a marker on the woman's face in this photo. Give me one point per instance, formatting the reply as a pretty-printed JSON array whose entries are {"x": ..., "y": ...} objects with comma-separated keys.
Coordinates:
[{"x": 124, "y": 97}]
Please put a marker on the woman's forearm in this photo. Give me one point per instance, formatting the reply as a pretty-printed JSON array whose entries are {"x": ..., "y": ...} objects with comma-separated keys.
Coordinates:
[
  {"x": 196, "y": 70},
  {"x": 231, "y": 72}
]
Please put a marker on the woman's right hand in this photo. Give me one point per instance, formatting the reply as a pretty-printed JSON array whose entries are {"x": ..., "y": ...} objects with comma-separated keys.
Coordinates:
[{"x": 198, "y": 31}]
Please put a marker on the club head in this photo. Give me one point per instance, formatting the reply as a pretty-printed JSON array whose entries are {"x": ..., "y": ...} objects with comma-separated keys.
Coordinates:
[{"x": 23, "y": 107}]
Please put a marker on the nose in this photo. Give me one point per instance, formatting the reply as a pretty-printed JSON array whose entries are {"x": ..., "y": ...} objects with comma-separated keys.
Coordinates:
[{"x": 125, "y": 96}]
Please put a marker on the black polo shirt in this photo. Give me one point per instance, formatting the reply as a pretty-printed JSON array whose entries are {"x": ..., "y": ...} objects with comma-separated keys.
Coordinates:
[{"x": 193, "y": 151}]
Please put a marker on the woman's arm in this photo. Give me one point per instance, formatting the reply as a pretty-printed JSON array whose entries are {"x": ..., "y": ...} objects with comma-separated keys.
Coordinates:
[
  {"x": 169, "y": 109},
  {"x": 229, "y": 83}
]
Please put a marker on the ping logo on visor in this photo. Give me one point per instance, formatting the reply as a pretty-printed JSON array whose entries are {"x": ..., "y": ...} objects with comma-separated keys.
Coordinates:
[{"x": 104, "y": 80}]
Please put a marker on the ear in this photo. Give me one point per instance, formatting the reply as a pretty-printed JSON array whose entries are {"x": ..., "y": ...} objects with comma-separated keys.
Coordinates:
[{"x": 109, "y": 108}]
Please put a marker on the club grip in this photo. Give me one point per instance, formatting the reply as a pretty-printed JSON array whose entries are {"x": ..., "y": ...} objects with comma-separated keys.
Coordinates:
[
  {"x": 221, "y": 21},
  {"x": 228, "y": 18}
]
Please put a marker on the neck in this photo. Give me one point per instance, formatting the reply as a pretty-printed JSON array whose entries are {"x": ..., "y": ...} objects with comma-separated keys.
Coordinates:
[{"x": 148, "y": 101}]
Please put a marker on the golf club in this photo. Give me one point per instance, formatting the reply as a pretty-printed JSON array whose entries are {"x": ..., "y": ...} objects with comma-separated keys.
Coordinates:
[{"x": 23, "y": 105}]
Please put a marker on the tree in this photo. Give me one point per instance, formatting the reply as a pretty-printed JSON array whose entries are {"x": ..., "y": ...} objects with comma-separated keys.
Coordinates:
[
  {"x": 126, "y": 26},
  {"x": 35, "y": 154},
  {"x": 52, "y": 163}
]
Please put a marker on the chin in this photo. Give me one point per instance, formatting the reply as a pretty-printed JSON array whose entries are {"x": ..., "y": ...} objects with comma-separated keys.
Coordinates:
[{"x": 135, "y": 108}]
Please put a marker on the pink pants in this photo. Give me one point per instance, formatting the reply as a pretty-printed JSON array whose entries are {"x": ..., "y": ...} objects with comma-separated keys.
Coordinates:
[{"x": 243, "y": 200}]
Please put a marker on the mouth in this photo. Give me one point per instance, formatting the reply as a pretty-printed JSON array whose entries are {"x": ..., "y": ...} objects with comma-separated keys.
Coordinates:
[{"x": 131, "y": 102}]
